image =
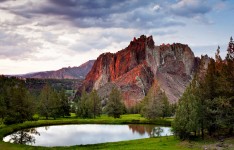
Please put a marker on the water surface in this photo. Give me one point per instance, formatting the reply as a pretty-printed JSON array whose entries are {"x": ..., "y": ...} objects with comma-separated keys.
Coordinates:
[{"x": 67, "y": 135}]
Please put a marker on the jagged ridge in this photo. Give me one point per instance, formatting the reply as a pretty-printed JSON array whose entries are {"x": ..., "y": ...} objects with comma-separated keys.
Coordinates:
[{"x": 134, "y": 69}]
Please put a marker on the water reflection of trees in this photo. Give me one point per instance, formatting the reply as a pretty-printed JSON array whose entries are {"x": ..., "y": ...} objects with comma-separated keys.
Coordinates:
[
  {"x": 141, "y": 129},
  {"x": 156, "y": 132},
  {"x": 25, "y": 136},
  {"x": 47, "y": 128},
  {"x": 151, "y": 130}
]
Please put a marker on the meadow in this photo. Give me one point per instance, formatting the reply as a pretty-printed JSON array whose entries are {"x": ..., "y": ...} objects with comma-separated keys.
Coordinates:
[{"x": 164, "y": 143}]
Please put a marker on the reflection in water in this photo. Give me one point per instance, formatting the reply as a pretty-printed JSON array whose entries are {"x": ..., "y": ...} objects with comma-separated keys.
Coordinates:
[
  {"x": 47, "y": 128},
  {"x": 141, "y": 129},
  {"x": 24, "y": 136},
  {"x": 67, "y": 135},
  {"x": 156, "y": 132}
]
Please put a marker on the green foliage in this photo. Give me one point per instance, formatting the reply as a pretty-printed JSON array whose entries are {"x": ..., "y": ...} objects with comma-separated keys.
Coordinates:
[
  {"x": 46, "y": 98},
  {"x": 152, "y": 103},
  {"x": 115, "y": 106},
  {"x": 135, "y": 109},
  {"x": 96, "y": 107},
  {"x": 69, "y": 85},
  {"x": 187, "y": 115},
  {"x": 208, "y": 103},
  {"x": 65, "y": 105},
  {"x": 156, "y": 104},
  {"x": 84, "y": 106},
  {"x": 166, "y": 107},
  {"x": 53, "y": 104},
  {"x": 89, "y": 105},
  {"x": 16, "y": 103}
]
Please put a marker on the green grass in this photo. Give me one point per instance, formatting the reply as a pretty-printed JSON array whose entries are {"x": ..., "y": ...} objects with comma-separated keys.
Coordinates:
[
  {"x": 167, "y": 143},
  {"x": 151, "y": 143}
]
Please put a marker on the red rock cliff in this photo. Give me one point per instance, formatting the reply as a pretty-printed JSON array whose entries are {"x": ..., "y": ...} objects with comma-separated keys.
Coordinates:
[{"x": 134, "y": 69}]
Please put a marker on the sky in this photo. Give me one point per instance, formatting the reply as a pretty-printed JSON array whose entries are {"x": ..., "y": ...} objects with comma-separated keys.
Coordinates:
[{"x": 40, "y": 35}]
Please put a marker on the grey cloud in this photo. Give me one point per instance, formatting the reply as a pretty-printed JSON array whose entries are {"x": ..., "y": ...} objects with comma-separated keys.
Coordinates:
[
  {"x": 103, "y": 13},
  {"x": 1, "y": 1},
  {"x": 15, "y": 46}
]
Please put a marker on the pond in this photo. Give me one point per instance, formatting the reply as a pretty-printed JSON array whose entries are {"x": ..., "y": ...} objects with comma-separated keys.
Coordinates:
[{"x": 82, "y": 134}]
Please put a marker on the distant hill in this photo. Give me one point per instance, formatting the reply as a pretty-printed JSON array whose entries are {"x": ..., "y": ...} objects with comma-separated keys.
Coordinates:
[{"x": 64, "y": 73}]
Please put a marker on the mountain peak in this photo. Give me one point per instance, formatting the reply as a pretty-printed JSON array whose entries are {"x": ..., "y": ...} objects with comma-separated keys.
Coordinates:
[{"x": 134, "y": 69}]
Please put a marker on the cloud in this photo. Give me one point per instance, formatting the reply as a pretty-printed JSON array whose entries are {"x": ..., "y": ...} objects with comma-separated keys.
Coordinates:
[
  {"x": 69, "y": 32},
  {"x": 156, "y": 7},
  {"x": 191, "y": 8},
  {"x": 104, "y": 13},
  {"x": 16, "y": 46}
]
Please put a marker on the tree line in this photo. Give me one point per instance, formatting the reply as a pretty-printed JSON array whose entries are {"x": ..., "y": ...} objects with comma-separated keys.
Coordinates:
[
  {"x": 18, "y": 104},
  {"x": 207, "y": 105}
]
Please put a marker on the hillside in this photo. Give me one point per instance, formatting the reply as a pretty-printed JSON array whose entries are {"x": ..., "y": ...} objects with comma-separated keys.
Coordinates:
[{"x": 64, "y": 73}]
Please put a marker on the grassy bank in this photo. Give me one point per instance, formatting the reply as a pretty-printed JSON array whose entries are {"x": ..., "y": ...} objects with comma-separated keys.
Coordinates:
[
  {"x": 104, "y": 119},
  {"x": 162, "y": 143},
  {"x": 150, "y": 143}
]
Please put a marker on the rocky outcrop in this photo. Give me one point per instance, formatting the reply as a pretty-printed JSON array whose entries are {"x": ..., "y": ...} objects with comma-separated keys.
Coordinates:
[
  {"x": 176, "y": 64},
  {"x": 64, "y": 73},
  {"x": 134, "y": 69}
]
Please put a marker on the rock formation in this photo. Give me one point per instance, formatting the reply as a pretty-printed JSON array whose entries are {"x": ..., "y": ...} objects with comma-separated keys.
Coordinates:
[{"x": 134, "y": 69}]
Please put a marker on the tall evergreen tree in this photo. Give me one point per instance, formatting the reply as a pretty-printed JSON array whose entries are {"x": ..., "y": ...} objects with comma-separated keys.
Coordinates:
[
  {"x": 115, "y": 106},
  {"x": 96, "y": 106},
  {"x": 45, "y": 101},
  {"x": 16, "y": 103},
  {"x": 64, "y": 102},
  {"x": 187, "y": 114},
  {"x": 166, "y": 107},
  {"x": 84, "y": 109}
]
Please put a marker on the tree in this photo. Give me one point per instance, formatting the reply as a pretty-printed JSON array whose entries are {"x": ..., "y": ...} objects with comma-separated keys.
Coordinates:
[
  {"x": 55, "y": 107},
  {"x": 65, "y": 106},
  {"x": 152, "y": 103},
  {"x": 3, "y": 108},
  {"x": 95, "y": 101},
  {"x": 187, "y": 115},
  {"x": 50, "y": 104},
  {"x": 45, "y": 101},
  {"x": 166, "y": 107},
  {"x": 115, "y": 106},
  {"x": 84, "y": 106},
  {"x": 16, "y": 103}
]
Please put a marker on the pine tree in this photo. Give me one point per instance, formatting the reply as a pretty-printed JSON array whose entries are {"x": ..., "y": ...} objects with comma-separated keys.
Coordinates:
[
  {"x": 16, "y": 103},
  {"x": 96, "y": 106},
  {"x": 84, "y": 106},
  {"x": 115, "y": 106},
  {"x": 187, "y": 114},
  {"x": 55, "y": 105},
  {"x": 45, "y": 101},
  {"x": 64, "y": 102},
  {"x": 166, "y": 112}
]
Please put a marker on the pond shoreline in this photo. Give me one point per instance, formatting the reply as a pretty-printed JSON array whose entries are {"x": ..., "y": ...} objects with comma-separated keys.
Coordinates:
[
  {"x": 85, "y": 134},
  {"x": 6, "y": 130},
  {"x": 125, "y": 119},
  {"x": 166, "y": 143}
]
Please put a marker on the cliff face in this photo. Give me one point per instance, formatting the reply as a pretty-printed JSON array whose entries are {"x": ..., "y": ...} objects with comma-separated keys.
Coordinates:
[{"x": 134, "y": 69}]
